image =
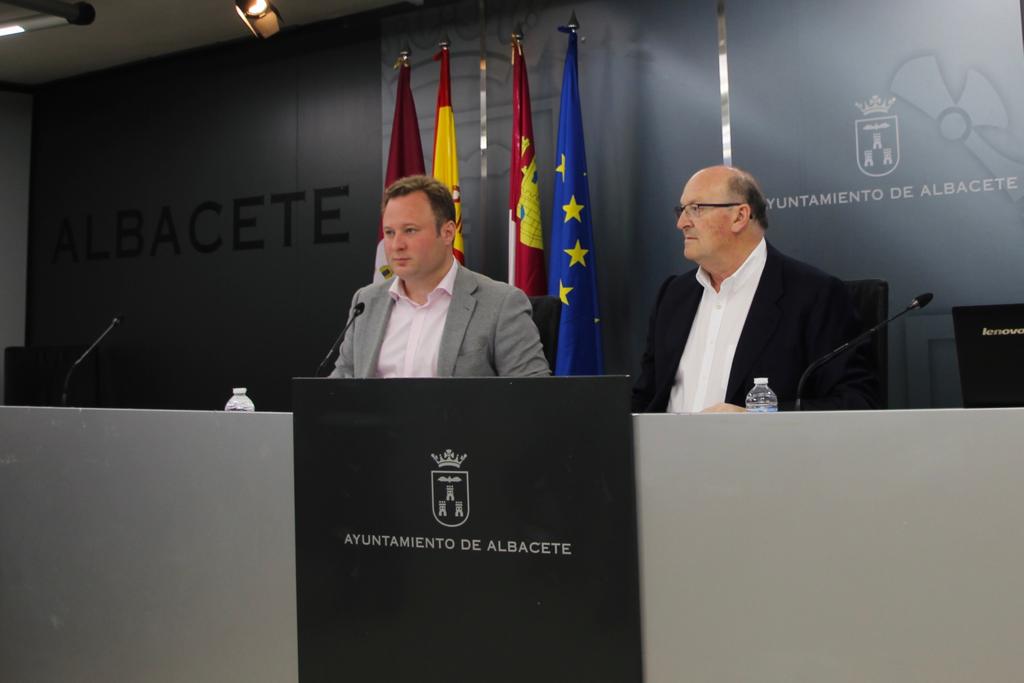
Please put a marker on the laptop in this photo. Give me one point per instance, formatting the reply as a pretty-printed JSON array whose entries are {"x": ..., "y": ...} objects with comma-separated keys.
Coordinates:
[{"x": 990, "y": 352}]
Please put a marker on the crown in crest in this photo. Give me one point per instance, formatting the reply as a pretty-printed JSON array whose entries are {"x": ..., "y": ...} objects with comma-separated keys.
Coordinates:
[
  {"x": 449, "y": 459},
  {"x": 876, "y": 105}
]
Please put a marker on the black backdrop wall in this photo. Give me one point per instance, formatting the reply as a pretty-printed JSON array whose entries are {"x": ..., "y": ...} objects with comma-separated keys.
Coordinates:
[
  {"x": 164, "y": 191},
  {"x": 211, "y": 200},
  {"x": 164, "y": 159}
]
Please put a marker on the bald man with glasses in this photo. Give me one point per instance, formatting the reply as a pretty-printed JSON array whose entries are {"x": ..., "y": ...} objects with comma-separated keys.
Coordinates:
[{"x": 746, "y": 311}]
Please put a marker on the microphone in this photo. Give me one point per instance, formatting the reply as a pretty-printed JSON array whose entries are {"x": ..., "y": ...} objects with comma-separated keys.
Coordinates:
[
  {"x": 920, "y": 301},
  {"x": 357, "y": 311},
  {"x": 67, "y": 378}
]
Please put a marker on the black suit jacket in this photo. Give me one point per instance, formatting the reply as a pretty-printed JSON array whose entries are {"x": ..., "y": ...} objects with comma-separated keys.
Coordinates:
[{"x": 797, "y": 315}]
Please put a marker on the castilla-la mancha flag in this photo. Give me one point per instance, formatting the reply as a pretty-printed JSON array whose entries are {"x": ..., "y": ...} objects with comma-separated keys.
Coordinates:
[
  {"x": 405, "y": 156},
  {"x": 446, "y": 158},
  {"x": 526, "y": 239}
]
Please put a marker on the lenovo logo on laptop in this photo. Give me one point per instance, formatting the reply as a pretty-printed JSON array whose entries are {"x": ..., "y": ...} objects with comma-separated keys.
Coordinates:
[{"x": 1000, "y": 331}]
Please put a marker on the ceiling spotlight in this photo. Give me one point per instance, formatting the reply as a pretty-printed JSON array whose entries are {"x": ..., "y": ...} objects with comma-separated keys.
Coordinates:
[{"x": 260, "y": 16}]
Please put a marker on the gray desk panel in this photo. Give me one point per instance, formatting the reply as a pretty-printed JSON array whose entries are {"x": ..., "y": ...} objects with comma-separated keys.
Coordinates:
[
  {"x": 146, "y": 546},
  {"x": 159, "y": 546},
  {"x": 833, "y": 547}
]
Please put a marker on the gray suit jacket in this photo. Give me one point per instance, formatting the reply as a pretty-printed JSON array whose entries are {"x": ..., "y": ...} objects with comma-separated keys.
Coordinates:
[{"x": 489, "y": 332}]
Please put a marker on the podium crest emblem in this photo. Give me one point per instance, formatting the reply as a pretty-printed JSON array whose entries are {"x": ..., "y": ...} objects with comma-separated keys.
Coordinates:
[
  {"x": 878, "y": 138},
  {"x": 449, "y": 489}
]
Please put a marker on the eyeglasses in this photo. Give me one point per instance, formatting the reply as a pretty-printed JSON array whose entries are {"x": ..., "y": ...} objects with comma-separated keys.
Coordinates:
[{"x": 694, "y": 210}]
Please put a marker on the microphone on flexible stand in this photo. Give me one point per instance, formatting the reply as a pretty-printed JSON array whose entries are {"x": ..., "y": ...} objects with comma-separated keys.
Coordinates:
[
  {"x": 67, "y": 378},
  {"x": 357, "y": 311},
  {"x": 920, "y": 301}
]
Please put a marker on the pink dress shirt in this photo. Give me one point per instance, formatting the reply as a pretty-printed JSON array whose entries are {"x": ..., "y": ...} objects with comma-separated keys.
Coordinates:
[{"x": 412, "y": 339}]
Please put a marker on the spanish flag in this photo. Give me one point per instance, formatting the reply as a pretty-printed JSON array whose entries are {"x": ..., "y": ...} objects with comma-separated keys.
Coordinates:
[
  {"x": 446, "y": 157},
  {"x": 526, "y": 239}
]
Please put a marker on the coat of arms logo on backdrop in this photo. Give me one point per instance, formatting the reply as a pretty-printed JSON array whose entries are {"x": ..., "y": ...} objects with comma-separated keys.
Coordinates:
[
  {"x": 878, "y": 137},
  {"x": 449, "y": 489}
]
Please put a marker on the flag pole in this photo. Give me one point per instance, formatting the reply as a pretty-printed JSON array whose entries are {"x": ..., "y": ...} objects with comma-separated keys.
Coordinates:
[
  {"x": 403, "y": 57},
  {"x": 574, "y": 23}
]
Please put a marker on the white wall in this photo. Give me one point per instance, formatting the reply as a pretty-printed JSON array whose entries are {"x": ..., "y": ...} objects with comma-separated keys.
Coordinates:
[{"x": 15, "y": 151}]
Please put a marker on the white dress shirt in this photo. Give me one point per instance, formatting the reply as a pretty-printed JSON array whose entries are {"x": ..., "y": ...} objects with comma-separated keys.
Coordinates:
[
  {"x": 412, "y": 339},
  {"x": 703, "y": 373}
]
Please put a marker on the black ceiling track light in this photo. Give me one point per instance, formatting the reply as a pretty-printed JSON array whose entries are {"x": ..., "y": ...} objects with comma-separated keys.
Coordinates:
[{"x": 48, "y": 14}]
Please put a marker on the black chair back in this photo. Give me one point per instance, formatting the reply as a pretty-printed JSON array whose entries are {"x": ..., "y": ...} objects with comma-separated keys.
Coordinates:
[
  {"x": 871, "y": 302},
  {"x": 547, "y": 315}
]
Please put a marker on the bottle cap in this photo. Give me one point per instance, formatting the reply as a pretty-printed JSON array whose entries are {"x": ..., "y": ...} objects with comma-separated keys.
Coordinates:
[
  {"x": 760, "y": 380},
  {"x": 237, "y": 391}
]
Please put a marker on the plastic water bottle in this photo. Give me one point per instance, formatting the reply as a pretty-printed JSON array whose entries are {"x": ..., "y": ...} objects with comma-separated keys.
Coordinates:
[
  {"x": 761, "y": 398},
  {"x": 239, "y": 402}
]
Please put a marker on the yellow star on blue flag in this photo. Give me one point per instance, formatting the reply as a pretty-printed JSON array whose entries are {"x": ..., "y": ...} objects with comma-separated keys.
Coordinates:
[
  {"x": 577, "y": 255},
  {"x": 573, "y": 210}
]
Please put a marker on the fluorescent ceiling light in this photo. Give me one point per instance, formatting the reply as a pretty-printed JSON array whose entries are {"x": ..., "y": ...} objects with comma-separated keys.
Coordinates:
[
  {"x": 79, "y": 13},
  {"x": 33, "y": 22}
]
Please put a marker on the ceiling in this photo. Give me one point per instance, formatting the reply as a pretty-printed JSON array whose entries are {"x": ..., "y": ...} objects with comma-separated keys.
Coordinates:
[{"x": 131, "y": 30}]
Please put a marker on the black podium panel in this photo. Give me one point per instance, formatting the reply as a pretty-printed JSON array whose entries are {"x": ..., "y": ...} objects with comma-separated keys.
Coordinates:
[{"x": 466, "y": 530}]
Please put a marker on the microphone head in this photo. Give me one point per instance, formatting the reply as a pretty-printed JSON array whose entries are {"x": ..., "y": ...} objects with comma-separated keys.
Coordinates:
[
  {"x": 922, "y": 300},
  {"x": 358, "y": 308},
  {"x": 118, "y": 319}
]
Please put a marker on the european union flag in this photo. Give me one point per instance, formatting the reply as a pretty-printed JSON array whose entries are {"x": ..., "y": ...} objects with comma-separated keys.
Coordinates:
[{"x": 572, "y": 271}]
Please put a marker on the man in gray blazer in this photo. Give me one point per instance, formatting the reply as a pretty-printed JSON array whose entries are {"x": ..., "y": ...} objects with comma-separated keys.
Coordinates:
[{"x": 436, "y": 318}]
